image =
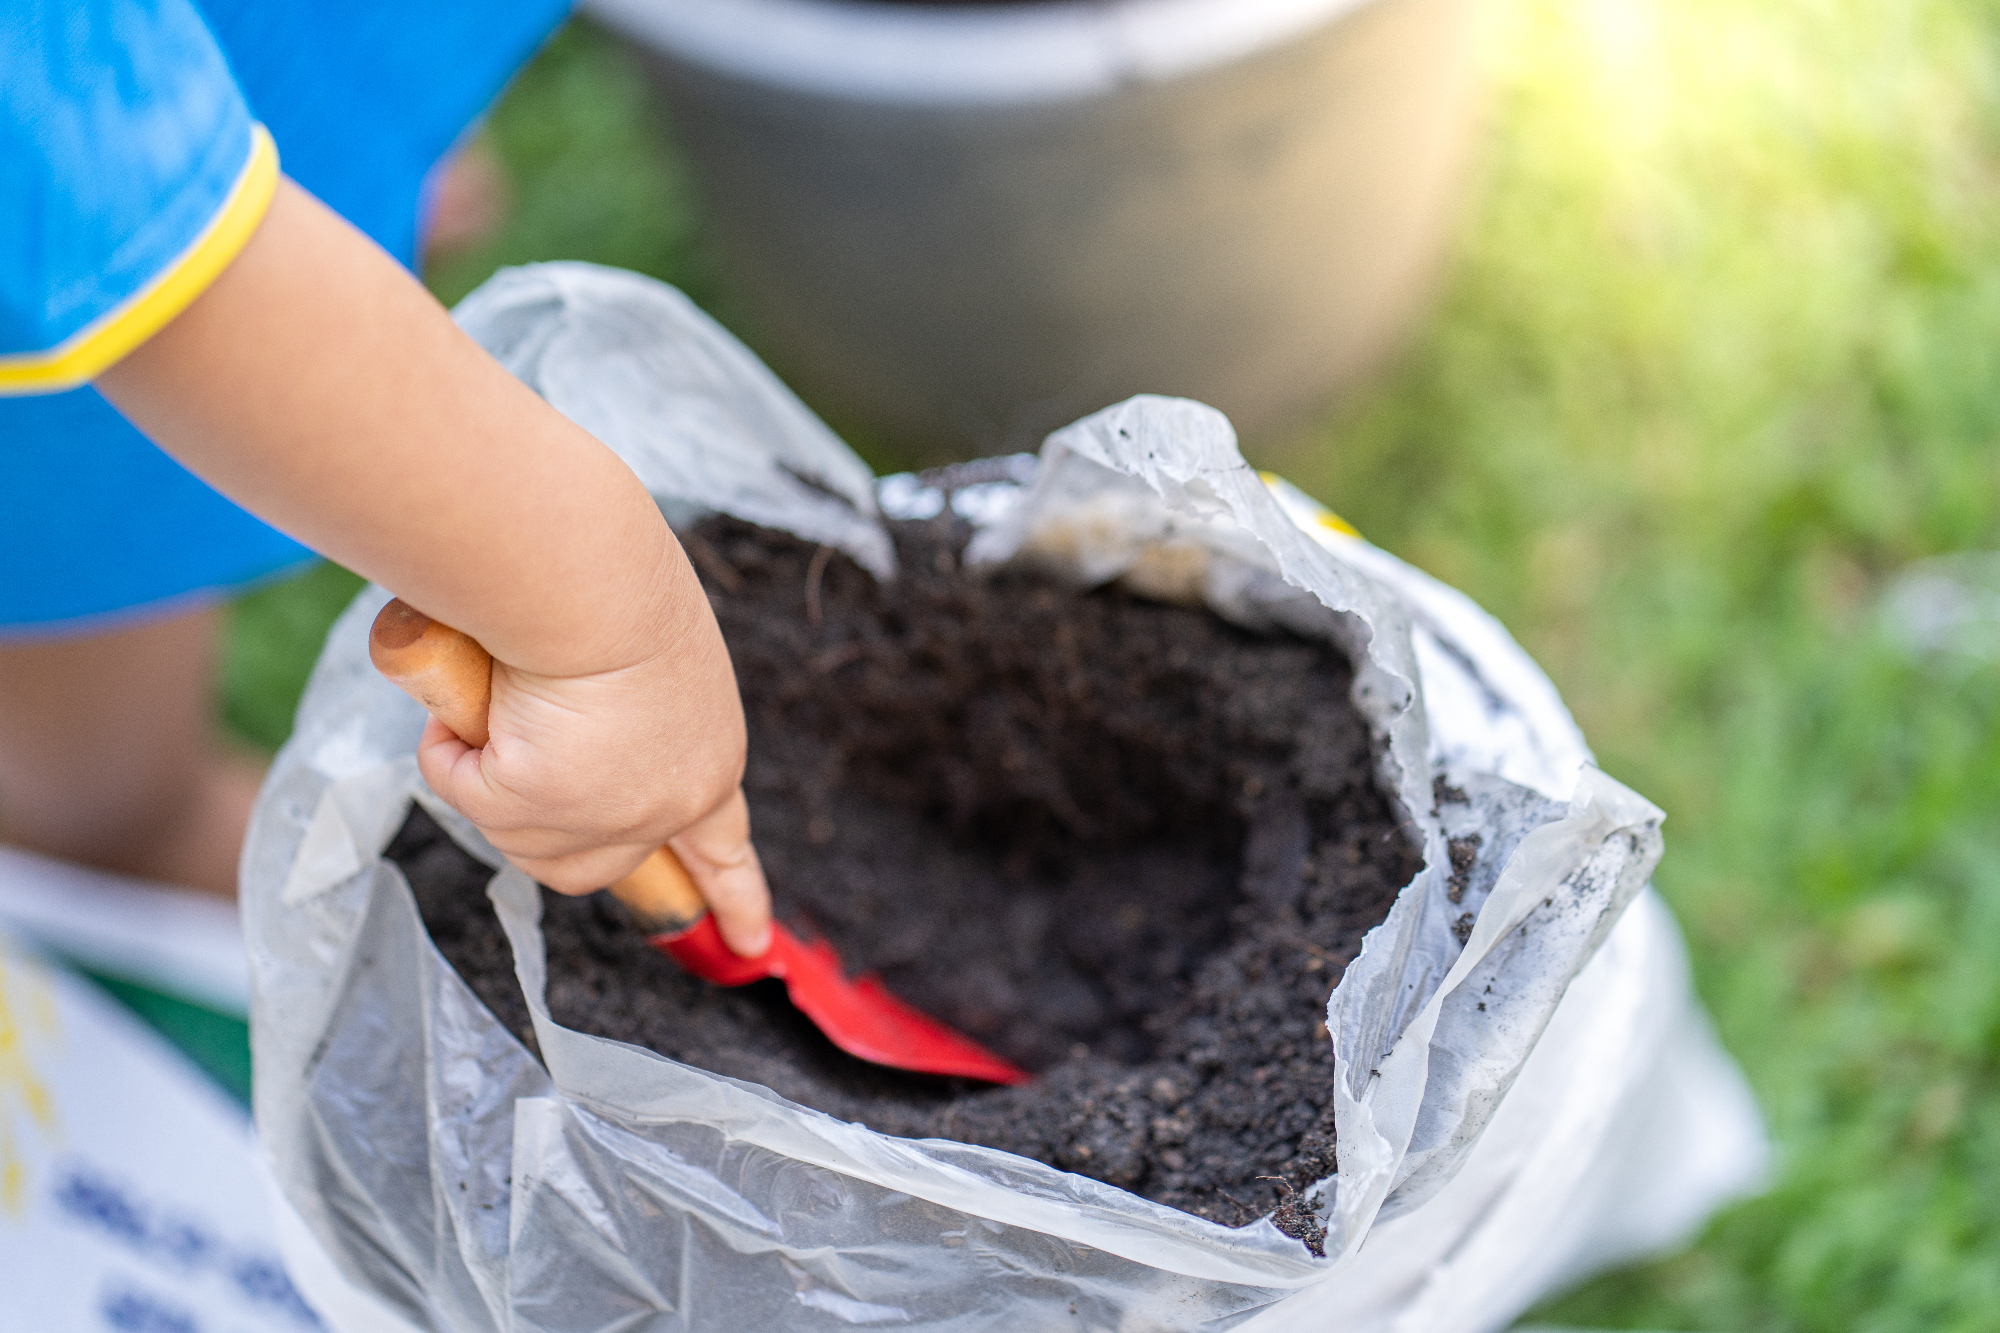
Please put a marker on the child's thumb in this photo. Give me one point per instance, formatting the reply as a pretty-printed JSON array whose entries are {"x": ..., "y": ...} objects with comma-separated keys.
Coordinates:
[{"x": 719, "y": 857}]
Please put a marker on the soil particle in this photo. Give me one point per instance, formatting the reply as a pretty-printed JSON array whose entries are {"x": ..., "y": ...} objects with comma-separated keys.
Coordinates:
[
  {"x": 1297, "y": 1215},
  {"x": 1464, "y": 854},
  {"x": 1125, "y": 844}
]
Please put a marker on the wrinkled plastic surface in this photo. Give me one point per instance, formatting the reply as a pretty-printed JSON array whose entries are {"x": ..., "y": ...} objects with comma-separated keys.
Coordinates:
[{"x": 1513, "y": 1112}]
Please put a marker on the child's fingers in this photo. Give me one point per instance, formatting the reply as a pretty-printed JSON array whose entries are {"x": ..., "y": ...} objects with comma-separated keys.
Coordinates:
[
  {"x": 439, "y": 755},
  {"x": 587, "y": 831},
  {"x": 719, "y": 857},
  {"x": 523, "y": 845},
  {"x": 458, "y": 773},
  {"x": 583, "y": 872},
  {"x": 479, "y": 785},
  {"x": 741, "y": 902}
]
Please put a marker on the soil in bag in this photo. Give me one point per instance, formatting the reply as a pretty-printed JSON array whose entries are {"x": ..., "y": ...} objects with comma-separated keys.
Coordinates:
[{"x": 1123, "y": 843}]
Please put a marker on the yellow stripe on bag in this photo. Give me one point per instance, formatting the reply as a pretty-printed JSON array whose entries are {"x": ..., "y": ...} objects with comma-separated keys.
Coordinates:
[
  {"x": 1334, "y": 521},
  {"x": 1321, "y": 515},
  {"x": 92, "y": 350}
]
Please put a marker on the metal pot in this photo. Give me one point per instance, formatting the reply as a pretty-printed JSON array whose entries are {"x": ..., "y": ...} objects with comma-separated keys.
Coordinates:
[{"x": 960, "y": 226}]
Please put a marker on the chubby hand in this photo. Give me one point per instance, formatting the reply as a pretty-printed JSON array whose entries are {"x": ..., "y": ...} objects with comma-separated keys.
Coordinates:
[{"x": 577, "y": 778}]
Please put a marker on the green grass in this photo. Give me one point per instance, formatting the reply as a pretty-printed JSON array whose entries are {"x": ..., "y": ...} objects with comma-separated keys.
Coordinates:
[
  {"x": 594, "y": 175},
  {"x": 274, "y": 639},
  {"x": 1719, "y": 356},
  {"x": 1719, "y": 353}
]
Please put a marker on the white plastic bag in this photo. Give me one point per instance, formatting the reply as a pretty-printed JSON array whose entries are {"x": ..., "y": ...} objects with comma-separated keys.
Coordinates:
[{"x": 1512, "y": 1112}]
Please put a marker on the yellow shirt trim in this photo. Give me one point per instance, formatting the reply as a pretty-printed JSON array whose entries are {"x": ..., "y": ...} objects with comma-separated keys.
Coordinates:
[{"x": 94, "y": 349}]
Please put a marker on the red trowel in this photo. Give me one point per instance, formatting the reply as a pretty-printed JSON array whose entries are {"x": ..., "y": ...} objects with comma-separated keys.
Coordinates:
[{"x": 452, "y": 676}]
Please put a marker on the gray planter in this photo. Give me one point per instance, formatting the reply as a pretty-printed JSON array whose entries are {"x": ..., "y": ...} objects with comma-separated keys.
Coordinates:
[{"x": 962, "y": 226}]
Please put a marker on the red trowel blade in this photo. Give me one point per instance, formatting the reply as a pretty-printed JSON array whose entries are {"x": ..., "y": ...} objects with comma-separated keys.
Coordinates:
[{"x": 857, "y": 1014}]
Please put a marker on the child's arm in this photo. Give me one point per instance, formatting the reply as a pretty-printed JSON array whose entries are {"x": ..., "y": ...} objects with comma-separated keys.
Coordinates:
[{"x": 318, "y": 384}]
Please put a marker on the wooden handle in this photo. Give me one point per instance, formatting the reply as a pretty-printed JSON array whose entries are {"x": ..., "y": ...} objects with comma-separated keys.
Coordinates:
[
  {"x": 661, "y": 895},
  {"x": 452, "y": 677},
  {"x": 445, "y": 671}
]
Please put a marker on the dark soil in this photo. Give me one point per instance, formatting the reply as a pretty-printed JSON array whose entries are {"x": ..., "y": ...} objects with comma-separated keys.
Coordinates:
[{"x": 1127, "y": 845}]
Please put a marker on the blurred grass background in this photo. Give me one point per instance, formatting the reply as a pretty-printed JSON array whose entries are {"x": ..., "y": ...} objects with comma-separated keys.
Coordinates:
[{"x": 1719, "y": 353}]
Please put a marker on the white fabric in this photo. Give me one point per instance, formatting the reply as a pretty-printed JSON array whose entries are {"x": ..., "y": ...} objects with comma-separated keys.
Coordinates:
[
  {"x": 174, "y": 940},
  {"x": 131, "y": 1196}
]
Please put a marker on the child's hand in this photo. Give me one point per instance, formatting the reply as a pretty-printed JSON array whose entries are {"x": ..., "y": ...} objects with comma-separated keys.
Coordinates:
[{"x": 582, "y": 776}]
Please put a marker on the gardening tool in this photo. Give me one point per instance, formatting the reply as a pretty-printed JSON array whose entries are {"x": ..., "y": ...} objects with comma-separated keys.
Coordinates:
[{"x": 452, "y": 676}]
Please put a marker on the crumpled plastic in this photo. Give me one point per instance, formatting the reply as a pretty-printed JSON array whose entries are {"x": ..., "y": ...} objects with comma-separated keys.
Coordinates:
[{"x": 1525, "y": 1087}]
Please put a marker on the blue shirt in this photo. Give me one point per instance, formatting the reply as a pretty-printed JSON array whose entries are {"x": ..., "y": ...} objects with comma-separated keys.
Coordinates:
[{"x": 139, "y": 146}]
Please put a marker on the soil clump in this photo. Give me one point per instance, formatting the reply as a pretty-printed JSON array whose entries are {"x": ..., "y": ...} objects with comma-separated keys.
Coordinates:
[{"x": 1125, "y": 844}]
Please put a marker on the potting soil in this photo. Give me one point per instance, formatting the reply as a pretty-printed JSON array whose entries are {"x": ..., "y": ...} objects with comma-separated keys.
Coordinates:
[{"x": 1125, "y": 844}]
